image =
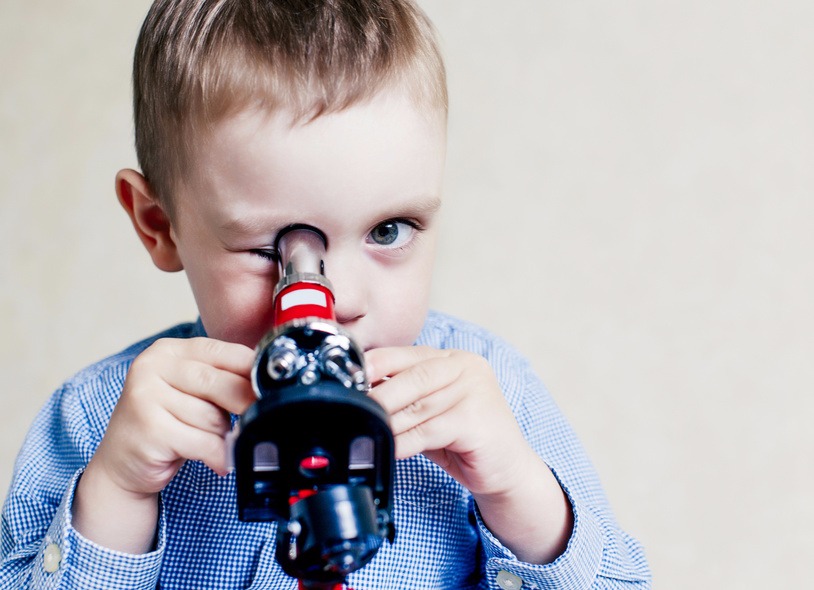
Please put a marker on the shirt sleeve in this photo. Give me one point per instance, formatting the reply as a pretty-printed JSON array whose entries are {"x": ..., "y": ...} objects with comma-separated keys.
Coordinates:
[
  {"x": 40, "y": 548},
  {"x": 599, "y": 554}
]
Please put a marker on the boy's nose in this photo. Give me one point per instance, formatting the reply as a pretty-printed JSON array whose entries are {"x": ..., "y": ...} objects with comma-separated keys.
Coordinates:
[{"x": 350, "y": 290}]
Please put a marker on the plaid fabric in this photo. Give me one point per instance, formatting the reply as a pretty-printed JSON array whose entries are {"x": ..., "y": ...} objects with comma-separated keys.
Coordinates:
[{"x": 441, "y": 541}]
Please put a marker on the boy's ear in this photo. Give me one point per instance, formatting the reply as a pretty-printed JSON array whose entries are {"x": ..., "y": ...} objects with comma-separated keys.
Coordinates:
[{"x": 151, "y": 223}]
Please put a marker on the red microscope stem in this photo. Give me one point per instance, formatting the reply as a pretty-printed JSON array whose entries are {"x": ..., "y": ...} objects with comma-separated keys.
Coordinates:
[
  {"x": 304, "y": 299},
  {"x": 303, "y": 290}
]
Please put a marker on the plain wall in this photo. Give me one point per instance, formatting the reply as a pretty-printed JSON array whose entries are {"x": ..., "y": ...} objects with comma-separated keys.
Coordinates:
[{"x": 628, "y": 201}]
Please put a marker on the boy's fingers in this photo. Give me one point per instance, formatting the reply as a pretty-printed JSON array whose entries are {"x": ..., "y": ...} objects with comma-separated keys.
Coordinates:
[
  {"x": 226, "y": 390},
  {"x": 198, "y": 445},
  {"x": 198, "y": 413},
  {"x": 424, "y": 409},
  {"x": 385, "y": 362},
  {"x": 235, "y": 358},
  {"x": 428, "y": 436},
  {"x": 410, "y": 387},
  {"x": 213, "y": 370}
]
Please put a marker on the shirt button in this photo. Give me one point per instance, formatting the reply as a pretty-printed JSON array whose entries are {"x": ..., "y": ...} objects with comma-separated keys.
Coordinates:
[
  {"x": 51, "y": 558},
  {"x": 509, "y": 581}
]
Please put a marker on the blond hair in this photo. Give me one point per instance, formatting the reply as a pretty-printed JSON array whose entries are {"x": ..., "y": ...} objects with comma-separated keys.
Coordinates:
[{"x": 199, "y": 61}]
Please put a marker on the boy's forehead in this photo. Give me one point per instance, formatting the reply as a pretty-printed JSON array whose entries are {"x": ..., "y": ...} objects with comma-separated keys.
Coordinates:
[
  {"x": 305, "y": 113},
  {"x": 390, "y": 120},
  {"x": 387, "y": 152}
]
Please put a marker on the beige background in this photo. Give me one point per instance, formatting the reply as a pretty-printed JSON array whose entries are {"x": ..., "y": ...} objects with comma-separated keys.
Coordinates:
[{"x": 629, "y": 201}]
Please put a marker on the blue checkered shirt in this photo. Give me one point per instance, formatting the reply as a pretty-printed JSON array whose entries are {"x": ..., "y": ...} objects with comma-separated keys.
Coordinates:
[{"x": 441, "y": 541}]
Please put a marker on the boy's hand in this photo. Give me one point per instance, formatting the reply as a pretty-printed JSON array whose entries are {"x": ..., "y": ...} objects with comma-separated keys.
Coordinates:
[
  {"x": 448, "y": 405},
  {"x": 174, "y": 406}
]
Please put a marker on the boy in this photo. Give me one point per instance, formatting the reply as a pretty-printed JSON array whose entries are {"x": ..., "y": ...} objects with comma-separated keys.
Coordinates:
[{"x": 252, "y": 115}]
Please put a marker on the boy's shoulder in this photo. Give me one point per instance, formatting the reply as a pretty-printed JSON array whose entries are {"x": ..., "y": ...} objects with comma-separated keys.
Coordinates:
[
  {"x": 76, "y": 415},
  {"x": 445, "y": 331},
  {"x": 119, "y": 363},
  {"x": 95, "y": 389},
  {"x": 513, "y": 371}
]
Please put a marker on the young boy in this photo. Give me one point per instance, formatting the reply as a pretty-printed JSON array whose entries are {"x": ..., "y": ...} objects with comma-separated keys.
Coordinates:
[{"x": 252, "y": 115}]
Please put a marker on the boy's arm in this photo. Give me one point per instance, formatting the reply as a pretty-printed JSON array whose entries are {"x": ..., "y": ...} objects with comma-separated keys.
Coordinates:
[
  {"x": 175, "y": 406},
  {"x": 41, "y": 546},
  {"x": 447, "y": 404}
]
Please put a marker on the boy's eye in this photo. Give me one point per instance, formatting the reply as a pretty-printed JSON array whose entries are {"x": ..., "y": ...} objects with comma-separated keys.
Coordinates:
[
  {"x": 269, "y": 254},
  {"x": 392, "y": 234}
]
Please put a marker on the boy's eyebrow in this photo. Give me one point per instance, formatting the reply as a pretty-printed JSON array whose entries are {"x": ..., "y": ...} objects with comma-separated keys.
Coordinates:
[
  {"x": 243, "y": 225},
  {"x": 423, "y": 205}
]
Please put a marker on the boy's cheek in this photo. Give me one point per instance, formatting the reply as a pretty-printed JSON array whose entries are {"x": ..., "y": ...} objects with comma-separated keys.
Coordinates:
[
  {"x": 232, "y": 309},
  {"x": 247, "y": 327},
  {"x": 394, "y": 332}
]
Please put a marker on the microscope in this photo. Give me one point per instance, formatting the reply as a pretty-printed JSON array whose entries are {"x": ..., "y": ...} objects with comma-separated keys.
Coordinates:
[{"x": 314, "y": 453}]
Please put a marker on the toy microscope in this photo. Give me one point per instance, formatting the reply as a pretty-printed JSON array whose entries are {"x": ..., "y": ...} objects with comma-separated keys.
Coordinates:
[{"x": 314, "y": 453}]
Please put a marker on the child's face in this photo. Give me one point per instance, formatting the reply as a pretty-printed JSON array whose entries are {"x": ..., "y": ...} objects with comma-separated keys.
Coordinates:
[{"x": 368, "y": 177}]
